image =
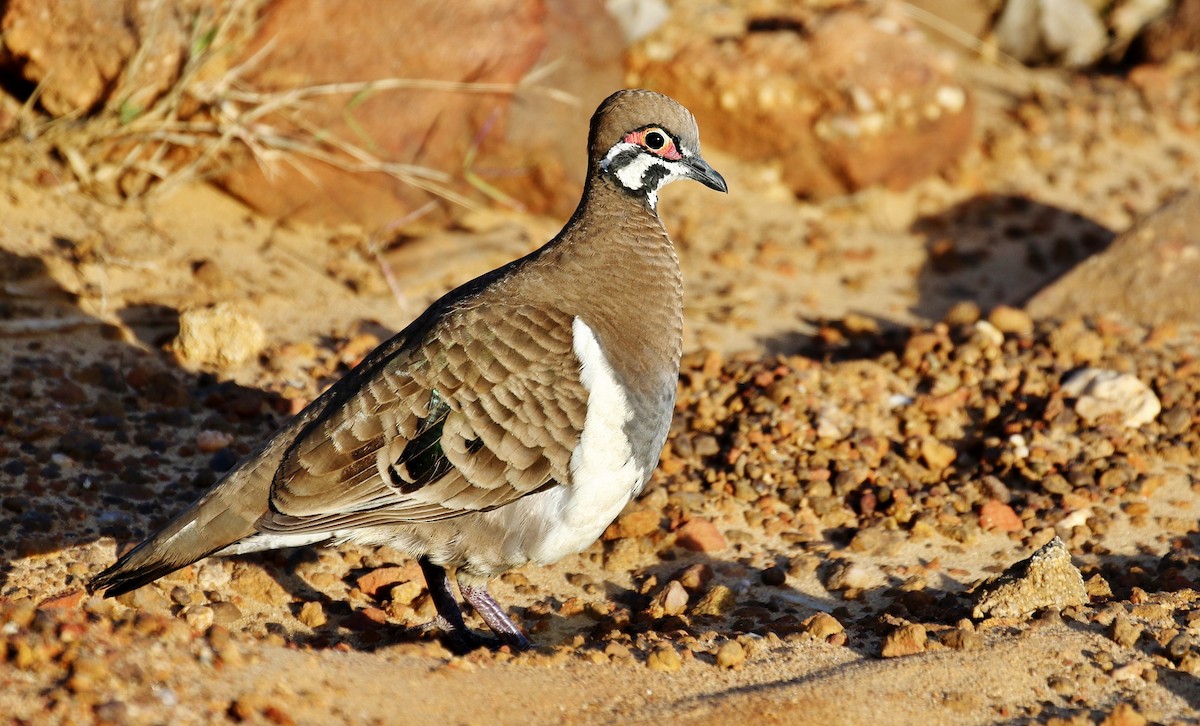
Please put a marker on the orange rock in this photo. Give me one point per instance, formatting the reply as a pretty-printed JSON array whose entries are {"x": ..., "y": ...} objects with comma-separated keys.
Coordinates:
[
  {"x": 700, "y": 535},
  {"x": 839, "y": 100},
  {"x": 67, "y": 600},
  {"x": 369, "y": 618},
  {"x": 633, "y": 523},
  {"x": 997, "y": 515},
  {"x": 382, "y": 578},
  {"x": 303, "y": 43}
]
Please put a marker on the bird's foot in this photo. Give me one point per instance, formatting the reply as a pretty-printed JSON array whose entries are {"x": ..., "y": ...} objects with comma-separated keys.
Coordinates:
[
  {"x": 458, "y": 640},
  {"x": 506, "y": 630}
]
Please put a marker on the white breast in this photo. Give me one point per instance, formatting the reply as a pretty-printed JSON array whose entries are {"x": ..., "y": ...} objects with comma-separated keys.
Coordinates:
[
  {"x": 563, "y": 520},
  {"x": 605, "y": 474}
]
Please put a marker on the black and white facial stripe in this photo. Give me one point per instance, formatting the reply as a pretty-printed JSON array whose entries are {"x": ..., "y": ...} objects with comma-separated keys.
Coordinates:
[{"x": 641, "y": 171}]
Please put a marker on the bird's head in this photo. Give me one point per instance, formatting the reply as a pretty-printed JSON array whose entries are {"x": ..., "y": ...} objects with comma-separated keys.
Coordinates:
[{"x": 642, "y": 140}]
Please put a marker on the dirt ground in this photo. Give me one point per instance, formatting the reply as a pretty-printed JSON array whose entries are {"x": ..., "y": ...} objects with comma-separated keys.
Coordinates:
[{"x": 103, "y": 435}]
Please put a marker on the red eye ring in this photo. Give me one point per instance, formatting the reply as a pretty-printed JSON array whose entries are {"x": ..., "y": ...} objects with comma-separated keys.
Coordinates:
[{"x": 656, "y": 141}]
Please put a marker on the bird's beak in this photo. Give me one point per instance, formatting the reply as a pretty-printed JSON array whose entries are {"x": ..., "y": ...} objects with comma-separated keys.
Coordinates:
[{"x": 699, "y": 170}]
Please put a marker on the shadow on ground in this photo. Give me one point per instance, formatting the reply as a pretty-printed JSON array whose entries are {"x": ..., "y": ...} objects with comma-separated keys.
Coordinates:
[
  {"x": 999, "y": 249},
  {"x": 98, "y": 435}
]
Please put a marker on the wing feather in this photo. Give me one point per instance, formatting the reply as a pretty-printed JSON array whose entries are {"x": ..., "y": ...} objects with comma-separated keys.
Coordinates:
[{"x": 475, "y": 415}]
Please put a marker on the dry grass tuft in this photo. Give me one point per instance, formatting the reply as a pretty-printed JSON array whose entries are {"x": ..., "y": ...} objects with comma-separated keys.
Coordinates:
[{"x": 210, "y": 117}]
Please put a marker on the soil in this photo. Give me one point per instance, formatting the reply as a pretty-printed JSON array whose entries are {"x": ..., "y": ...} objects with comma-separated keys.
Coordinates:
[{"x": 853, "y": 449}]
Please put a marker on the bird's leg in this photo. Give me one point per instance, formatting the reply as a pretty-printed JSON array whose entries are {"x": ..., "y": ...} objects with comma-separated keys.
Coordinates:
[
  {"x": 449, "y": 618},
  {"x": 491, "y": 612}
]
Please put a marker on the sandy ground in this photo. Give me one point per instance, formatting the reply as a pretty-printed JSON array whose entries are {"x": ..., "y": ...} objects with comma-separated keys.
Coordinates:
[{"x": 104, "y": 435}]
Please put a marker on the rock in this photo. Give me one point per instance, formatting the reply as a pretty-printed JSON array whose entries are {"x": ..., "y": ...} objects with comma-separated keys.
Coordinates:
[
  {"x": 1147, "y": 275},
  {"x": 147, "y": 598},
  {"x": 1098, "y": 587},
  {"x": 1047, "y": 579},
  {"x": 1124, "y": 714},
  {"x": 87, "y": 674},
  {"x": 209, "y": 442},
  {"x": 623, "y": 555},
  {"x": 673, "y": 600},
  {"x": 1066, "y": 32},
  {"x": 906, "y": 640},
  {"x": 700, "y": 535},
  {"x": 309, "y": 42},
  {"x": 853, "y": 576},
  {"x": 1177, "y": 29},
  {"x": 218, "y": 337},
  {"x": 254, "y": 584},
  {"x": 962, "y": 639},
  {"x": 368, "y": 618},
  {"x": 1011, "y": 320},
  {"x": 97, "y": 40},
  {"x": 937, "y": 456},
  {"x": 1098, "y": 392},
  {"x": 822, "y": 625},
  {"x": 115, "y": 712},
  {"x": 836, "y": 96},
  {"x": 1123, "y": 632},
  {"x": 70, "y": 600},
  {"x": 638, "y": 522},
  {"x": 665, "y": 659},
  {"x": 773, "y": 576},
  {"x": 694, "y": 578},
  {"x": 225, "y": 613},
  {"x": 716, "y": 602},
  {"x": 198, "y": 617},
  {"x": 999, "y": 516},
  {"x": 405, "y": 593},
  {"x": 731, "y": 654},
  {"x": 382, "y": 577},
  {"x": 312, "y": 614}
]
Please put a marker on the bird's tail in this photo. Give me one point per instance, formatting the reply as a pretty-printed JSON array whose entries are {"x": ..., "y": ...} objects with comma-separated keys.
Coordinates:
[
  {"x": 206, "y": 527},
  {"x": 224, "y": 516}
]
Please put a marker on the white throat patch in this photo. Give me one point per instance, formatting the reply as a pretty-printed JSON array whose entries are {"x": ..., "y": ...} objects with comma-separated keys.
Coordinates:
[{"x": 632, "y": 174}]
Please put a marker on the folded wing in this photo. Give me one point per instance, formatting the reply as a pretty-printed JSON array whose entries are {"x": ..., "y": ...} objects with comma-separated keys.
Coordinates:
[{"x": 483, "y": 410}]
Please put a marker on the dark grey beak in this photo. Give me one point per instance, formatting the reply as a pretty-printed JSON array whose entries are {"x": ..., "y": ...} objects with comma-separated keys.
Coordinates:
[{"x": 699, "y": 170}]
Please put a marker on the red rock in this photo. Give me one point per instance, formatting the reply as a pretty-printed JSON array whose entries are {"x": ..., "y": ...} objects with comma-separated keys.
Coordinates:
[
  {"x": 68, "y": 600},
  {"x": 997, "y": 515},
  {"x": 700, "y": 535},
  {"x": 369, "y": 618},
  {"x": 381, "y": 578},
  {"x": 523, "y": 144},
  {"x": 694, "y": 578},
  {"x": 672, "y": 600},
  {"x": 837, "y": 98}
]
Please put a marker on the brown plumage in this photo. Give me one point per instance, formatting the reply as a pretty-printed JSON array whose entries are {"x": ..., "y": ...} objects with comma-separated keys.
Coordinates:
[{"x": 508, "y": 423}]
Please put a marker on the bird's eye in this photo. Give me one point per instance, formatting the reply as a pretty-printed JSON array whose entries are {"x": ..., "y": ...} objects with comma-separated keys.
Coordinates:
[{"x": 655, "y": 140}]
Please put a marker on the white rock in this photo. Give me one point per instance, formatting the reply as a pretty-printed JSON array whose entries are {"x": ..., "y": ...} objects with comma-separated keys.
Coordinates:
[
  {"x": 1067, "y": 31},
  {"x": 1098, "y": 392},
  {"x": 1047, "y": 579},
  {"x": 212, "y": 574},
  {"x": 834, "y": 423},
  {"x": 638, "y": 18},
  {"x": 854, "y": 576}
]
